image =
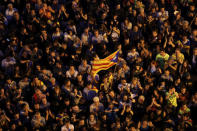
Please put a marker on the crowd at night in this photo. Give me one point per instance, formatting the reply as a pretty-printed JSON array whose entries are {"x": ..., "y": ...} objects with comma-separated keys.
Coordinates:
[{"x": 46, "y": 52}]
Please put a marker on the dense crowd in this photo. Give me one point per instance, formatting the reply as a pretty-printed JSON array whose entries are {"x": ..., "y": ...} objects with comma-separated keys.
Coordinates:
[{"x": 46, "y": 51}]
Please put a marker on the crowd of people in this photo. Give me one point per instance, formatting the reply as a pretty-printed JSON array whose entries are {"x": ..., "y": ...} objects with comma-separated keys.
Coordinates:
[{"x": 46, "y": 51}]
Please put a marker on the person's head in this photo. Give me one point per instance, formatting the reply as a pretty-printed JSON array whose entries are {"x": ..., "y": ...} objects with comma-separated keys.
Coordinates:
[
  {"x": 111, "y": 93},
  {"x": 184, "y": 37},
  {"x": 53, "y": 81},
  {"x": 135, "y": 28},
  {"x": 67, "y": 83},
  {"x": 81, "y": 122},
  {"x": 178, "y": 51},
  {"x": 67, "y": 102},
  {"x": 192, "y": 7},
  {"x": 154, "y": 33},
  {"x": 162, "y": 9},
  {"x": 111, "y": 105},
  {"x": 84, "y": 62},
  {"x": 79, "y": 77},
  {"x": 16, "y": 15},
  {"x": 89, "y": 85},
  {"x": 123, "y": 81},
  {"x": 128, "y": 118},
  {"x": 159, "y": 111},
  {"x": 91, "y": 117},
  {"x": 144, "y": 123},
  {"x": 36, "y": 106},
  {"x": 96, "y": 33},
  {"x": 171, "y": 89},
  {"x": 184, "y": 106},
  {"x": 9, "y": 81},
  {"x": 86, "y": 30},
  {"x": 75, "y": 108},
  {"x": 125, "y": 98},
  {"x": 126, "y": 40},
  {"x": 44, "y": 101},
  {"x": 10, "y": 6},
  {"x": 38, "y": 92},
  {"x": 13, "y": 127},
  {"x": 134, "y": 80},
  {"x": 183, "y": 90},
  {"x": 141, "y": 99},
  {"x": 167, "y": 72},
  {"x": 96, "y": 100},
  {"x": 16, "y": 116},
  {"x": 162, "y": 53},
  {"x": 37, "y": 115},
  {"x": 67, "y": 123}
]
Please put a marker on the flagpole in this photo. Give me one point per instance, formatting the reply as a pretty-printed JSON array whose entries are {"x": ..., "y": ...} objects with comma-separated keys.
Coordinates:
[
  {"x": 193, "y": 19},
  {"x": 113, "y": 76}
]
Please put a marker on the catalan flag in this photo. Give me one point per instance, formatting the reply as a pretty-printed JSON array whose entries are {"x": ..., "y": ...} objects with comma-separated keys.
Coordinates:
[{"x": 106, "y": 63}]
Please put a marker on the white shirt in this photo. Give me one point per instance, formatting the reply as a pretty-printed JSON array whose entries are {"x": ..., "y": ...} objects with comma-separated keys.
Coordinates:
[{"x": 70, "y": 128}]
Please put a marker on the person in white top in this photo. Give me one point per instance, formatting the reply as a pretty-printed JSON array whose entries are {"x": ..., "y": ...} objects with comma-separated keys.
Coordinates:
[
  {"x": 10, "y": 12},
  {"x": 67, "y": 126}
]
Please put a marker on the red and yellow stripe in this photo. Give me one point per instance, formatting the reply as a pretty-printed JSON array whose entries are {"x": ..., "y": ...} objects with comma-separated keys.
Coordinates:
[{"x": 103, "y": 64}]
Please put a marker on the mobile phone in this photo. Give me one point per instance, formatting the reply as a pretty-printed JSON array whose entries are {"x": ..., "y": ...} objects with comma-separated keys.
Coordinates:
[{"x": 8, "y": 39}]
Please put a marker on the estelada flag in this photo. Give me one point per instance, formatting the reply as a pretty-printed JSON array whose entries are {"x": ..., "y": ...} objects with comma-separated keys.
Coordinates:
[{"x": 106, "y": 63}]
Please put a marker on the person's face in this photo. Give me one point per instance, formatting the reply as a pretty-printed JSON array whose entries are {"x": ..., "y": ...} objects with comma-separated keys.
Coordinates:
[
  {"x": 104, "y": 117},
  {"x": 118, "y": 7},
  {"x": 81, "y": 122},
  {"x": 125, "y": 98},
  {"x": 16, "y": 116},
  {"x": 37, "y": 106},
  {"x": 126, "y": 41},
  {"x": 9, "y": 81},
  {"x": 57, "y": 29},
  {"x": 72, "y": 68},
  {"x": 162, "y": 9},
  {"x": 67, "y": 103},
  {"x": 152, "y": 1},
  {"x": 123, "y": 82},
  {"x": 86, "y": 31},
  {"x": 167, "y": 73},
  {"x": 185, "y": 64},
  {"x": 79, "y": 77},
  {"x": 162, "y": 53},
  {"x": 137, "y": 67},
  {"x": 10, "y": 6},
  {"x": 154, "y": 34},
  {"x": 96, "y": 33},
  {"x": 68, "y": 84},
  {"x": 195, "y": 52},
  {"x": 111, "y": 94},
  {"x": 91, "y": 117},
  {"x": 145, "y": 123},
  {"x": 44, "y": 101},
  {"x": 102, "y": 5},
  {"x": 184, "y": 107},
  {"x": 84, "y": 62},
  {"x": 28, "y": 6},
  {"x": 135, "y": 29},
  {"x": 184, "y": 38},
  {"x": 192, "y": 8},
  {"x": 96, "y": 103},
  {"x": 16, "y": 16},
  {"x": 37, "y": 116},
  {"x": 111, "y": 106},
  {"x": 175, "y": 7},
  {"x": 178, "y": 80},
  {"x": 183, "y": 90}
]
